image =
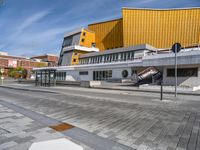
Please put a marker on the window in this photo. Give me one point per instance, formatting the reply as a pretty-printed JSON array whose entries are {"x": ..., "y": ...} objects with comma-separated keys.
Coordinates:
[
  {"x": 60, "y": 76},
  {"x": 102, "y": 75},
  {"x": 93, "y": 44},
  {"x": 83, "y": 73},
  {"x": 75, "y": 53},
  {"x": 74, "y": 60},
  {"x": 183, "y": 72},
  {"x": 84, "y": 33},
  {"x": 82, "y": 40}
]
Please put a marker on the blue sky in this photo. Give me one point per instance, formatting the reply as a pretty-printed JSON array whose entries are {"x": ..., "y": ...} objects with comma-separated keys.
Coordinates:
[{"x": 33, "y": 27}]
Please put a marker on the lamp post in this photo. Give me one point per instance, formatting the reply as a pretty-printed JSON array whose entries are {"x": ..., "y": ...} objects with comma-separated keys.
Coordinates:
[{"x": 2, "y": 77}]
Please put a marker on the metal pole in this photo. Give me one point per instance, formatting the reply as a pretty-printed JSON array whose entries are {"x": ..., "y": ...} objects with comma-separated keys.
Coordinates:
[
  {"x": 175, "y": 70},
  {"x": 36, "y": 78},
  {"x": 161, "y": 86},
  {"x": 161, "y": 90}
]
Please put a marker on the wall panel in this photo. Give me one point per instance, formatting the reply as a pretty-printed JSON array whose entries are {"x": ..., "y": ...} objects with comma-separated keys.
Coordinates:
[
  {"x": 108, "y": 34},
  {"x": 161, "y": 28}
]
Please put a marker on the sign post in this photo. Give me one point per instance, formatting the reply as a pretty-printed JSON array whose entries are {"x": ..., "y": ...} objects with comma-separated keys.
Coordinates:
[
  {"x": 2, "y": 77},
  {"x": 176, "y": 48},
  {"x": 161, "y": 87}
]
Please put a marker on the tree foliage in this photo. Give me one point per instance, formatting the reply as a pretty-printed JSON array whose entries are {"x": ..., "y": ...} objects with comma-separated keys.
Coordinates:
[{"x": 18, "y": 72}]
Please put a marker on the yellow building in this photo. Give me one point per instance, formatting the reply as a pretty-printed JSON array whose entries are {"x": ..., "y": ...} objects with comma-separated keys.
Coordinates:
[
  {"x": 108, "y": 34},
  {"x": 160, "y": 28},
  {"x": 75, "y": 43}
]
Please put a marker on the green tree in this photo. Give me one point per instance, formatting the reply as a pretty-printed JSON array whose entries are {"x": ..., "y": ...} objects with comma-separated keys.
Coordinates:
[{"x": 18, "y": 72}]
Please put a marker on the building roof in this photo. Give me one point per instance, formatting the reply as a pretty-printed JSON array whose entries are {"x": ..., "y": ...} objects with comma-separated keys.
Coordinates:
[
  {"x": 186, "y": 8},
  {"x": 45, "y": 55},
  {"x": 123, "y": 49},
  {"x": 105, "y": 21},
  {"x": 13, "y": 57},
  {"x": 76, "y": 31}
]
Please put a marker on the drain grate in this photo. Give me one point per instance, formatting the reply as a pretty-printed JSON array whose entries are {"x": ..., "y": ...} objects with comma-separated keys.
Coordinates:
[
  {"x": 62, "y": 127},
  {"x": 3, "y": 131}
]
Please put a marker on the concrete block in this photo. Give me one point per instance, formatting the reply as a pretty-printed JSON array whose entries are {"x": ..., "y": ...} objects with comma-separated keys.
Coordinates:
[{"x": 90, "y": 83}]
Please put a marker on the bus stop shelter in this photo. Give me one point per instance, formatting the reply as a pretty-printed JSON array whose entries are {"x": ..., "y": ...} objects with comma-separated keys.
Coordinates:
[{"x": 45, "y": 77}]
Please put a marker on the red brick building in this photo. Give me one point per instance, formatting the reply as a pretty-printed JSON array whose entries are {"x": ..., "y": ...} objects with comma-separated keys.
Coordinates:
[{"x": 8, "y": 62}]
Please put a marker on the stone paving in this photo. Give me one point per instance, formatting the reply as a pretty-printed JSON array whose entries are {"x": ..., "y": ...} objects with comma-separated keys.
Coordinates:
[
  {"x": 18, "y": 132},
  {"x": 136, "y": 121}
]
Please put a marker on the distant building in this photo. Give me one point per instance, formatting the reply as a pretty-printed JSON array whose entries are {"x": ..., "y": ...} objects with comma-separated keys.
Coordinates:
[
  {"x": 8, "y": 62},
  {"x": 51, "y": 59}
]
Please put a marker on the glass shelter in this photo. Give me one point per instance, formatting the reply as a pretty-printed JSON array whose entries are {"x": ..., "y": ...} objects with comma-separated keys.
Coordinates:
[{"x": 45, "y": 77}]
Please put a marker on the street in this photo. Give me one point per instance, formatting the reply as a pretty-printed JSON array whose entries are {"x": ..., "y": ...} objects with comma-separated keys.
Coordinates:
[{"x": 136, "y": 120}]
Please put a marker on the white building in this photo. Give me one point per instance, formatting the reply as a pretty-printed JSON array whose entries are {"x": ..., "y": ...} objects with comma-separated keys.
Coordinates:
[{"x": 133, "y": 62}]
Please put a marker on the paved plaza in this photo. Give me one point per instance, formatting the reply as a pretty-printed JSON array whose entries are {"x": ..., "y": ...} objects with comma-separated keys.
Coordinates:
[{"x": 132, "y": 120}]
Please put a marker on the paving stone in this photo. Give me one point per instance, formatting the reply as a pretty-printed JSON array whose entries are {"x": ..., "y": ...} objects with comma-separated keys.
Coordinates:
[{"x": 7, "y": 145}]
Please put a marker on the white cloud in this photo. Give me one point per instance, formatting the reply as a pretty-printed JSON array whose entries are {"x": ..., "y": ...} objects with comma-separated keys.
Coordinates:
[{"x": 32, "y": 19}]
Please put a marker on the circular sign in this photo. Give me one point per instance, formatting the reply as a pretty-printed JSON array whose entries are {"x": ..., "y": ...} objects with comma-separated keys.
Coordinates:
[
  {"x": 124, "y": 73},
  {"x": 2, "y": 70},
  {"x": 176, "y": 47}
]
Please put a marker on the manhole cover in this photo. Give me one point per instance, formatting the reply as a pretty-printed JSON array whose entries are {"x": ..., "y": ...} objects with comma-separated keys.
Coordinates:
[{"x": 62, "y": 127}]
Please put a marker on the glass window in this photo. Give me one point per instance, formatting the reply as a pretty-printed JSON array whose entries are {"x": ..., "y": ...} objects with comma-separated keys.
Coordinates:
[
  {"x": 183, "y": 72},
  {"x": 83, "y": 73},
  {"x": 102, "y": 75}
]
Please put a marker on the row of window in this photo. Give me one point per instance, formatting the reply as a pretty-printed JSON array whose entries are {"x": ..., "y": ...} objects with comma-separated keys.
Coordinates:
[
  {"x": 61, "y": 76},
  {"x": 102, "y": 75},
  {"x": 122, "y": 56}
]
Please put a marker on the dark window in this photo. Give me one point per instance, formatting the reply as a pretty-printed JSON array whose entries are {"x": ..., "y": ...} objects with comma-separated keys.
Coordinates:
[
  {"x": 74, "y": 60},
  {"x": 183, "y": 72},
  {"x": 82, "y": 40},
  {"x": 93, "y": 44},
  {"x": 84, "y": 33},
  {"x": 75, "y": 53},
  {"x": 83, "y": 73}
]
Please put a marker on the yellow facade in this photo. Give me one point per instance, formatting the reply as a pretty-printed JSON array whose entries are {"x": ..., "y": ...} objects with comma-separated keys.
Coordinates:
[
  {"x": 75, "y": 56},
  {"x": 108, "y": 34},
  {"x": 87, "y": 38},
  {"x": 161, "y": 28}
]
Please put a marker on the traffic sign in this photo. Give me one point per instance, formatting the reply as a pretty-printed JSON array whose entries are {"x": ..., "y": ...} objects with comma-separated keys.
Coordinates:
[{"x": 176, "y": 47}]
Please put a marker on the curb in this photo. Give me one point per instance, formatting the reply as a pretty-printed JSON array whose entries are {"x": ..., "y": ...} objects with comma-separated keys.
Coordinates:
[
  {"x": 27, "y": 89},
  {"x": 148, "y": 91},
  {"x": 105, "y": 88}
]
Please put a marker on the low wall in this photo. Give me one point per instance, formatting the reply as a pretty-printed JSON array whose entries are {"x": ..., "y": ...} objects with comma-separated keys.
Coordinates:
[
  {"x": 75, "y": 83},
  {"x": 89, "y": 84}
]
